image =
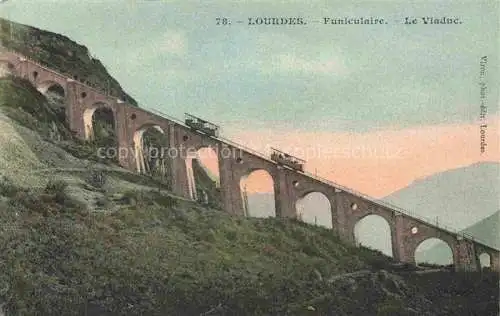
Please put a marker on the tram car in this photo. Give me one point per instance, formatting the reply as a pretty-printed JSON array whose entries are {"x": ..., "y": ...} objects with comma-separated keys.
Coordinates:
[
  {"x": 287, "y": 160},
  {"x": 201, "y": 125}
]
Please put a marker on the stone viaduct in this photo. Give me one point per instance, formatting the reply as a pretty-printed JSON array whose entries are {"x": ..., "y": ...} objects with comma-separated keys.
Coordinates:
[{"x": 235, "y": 163}]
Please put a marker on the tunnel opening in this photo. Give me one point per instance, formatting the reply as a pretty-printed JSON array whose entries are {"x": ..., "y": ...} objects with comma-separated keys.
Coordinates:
[
  {"x": 257, "y": 191},
  {"x": 374, "y": 232},
  {"x": 433, "y": 251},
  {"x": 204, "y": 177},
  {"x": 314, "y": 208}
]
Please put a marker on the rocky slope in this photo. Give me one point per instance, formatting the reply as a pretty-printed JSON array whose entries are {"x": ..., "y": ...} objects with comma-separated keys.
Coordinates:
[
  {"x": 62, "y": 54},
  {"x": 456, "y": 197}
]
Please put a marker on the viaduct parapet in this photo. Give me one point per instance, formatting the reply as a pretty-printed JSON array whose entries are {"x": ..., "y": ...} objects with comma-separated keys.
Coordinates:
[{"x": 235, "y": 163}]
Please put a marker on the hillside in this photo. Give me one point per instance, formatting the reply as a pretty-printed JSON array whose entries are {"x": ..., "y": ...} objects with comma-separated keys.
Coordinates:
[
  {"x": 162, "y": 256},
  {"x": 159, "y": 255},
  {"x": 60, "y": 53}
]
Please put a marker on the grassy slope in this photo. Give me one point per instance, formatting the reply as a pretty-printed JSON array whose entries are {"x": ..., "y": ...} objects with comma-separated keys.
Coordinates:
[
  {"x": 163, "y": 257},
  {"x": 26, "y": 105}
]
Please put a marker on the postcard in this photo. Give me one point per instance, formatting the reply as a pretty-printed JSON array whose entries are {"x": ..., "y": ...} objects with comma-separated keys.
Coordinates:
[{"x": 249, "y": 157}]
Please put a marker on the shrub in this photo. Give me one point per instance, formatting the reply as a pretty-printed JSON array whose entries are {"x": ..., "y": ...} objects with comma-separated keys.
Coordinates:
[
  {"x": 96, "y": 178},
  {"x": 164, "y": 200},
  {"x": 7, "y": 187},
  {"x": 55, "y": 186},
  {"x": 30, "y": 201},
  {"x": 102, "y": 202}
]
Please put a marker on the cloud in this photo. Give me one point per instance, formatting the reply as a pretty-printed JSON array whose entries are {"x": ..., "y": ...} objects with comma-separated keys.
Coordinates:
[
  {"x": 173, "y": 42},
  {"x": 380, "y": 162},
  {"x": 297, "y": 54},
  {"x": 290, "y": 62}
]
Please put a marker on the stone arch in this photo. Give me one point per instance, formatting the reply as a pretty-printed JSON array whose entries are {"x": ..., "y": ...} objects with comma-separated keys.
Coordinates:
[
  {"x": 202, "y": 168},
  {"x": 358, "y": 208},
  {"x": 315, "y": 208},
  {"x": 88, "y": 117},
  {"x": 52, "y": 86},
  {"x": 374, "y": 231},
  {"x": 7, "y": 68},
  {"x": 434, "y": 250},
  {"x": 485, "y": 260},
  {"x": 141, "y": 154},
  {"x": 258, "y": 194}
]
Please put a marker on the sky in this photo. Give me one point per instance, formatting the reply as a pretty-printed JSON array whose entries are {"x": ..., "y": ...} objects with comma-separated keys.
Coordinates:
[{"x": 394, "y": 102}]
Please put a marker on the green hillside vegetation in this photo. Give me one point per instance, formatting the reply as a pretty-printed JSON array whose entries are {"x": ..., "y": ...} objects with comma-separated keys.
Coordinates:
[
  {"x": 163, "y": 256},
  {"x": 160, "y": 256},
  {"x": 61, "y": 54}
]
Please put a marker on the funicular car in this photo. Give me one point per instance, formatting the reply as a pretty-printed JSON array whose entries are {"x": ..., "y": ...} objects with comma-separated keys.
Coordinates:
[
  {"x": 283, "y": 158},
  {"x": 201, "y": 125}
]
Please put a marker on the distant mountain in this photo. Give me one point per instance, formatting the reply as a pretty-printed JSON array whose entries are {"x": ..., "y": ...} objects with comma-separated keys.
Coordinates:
[
  {"x": 487, "y": 230},
  {"x": 456, "y": 197},
  {"x": 261, "y": 205}
]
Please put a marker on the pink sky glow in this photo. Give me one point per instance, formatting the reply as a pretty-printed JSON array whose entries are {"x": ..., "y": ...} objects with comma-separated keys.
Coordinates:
[{"x": 376, "y": 163}]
